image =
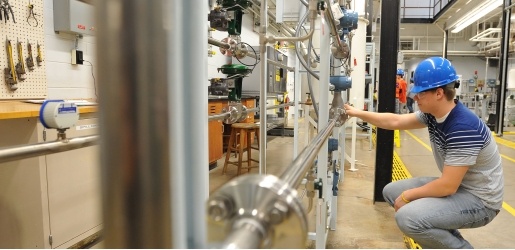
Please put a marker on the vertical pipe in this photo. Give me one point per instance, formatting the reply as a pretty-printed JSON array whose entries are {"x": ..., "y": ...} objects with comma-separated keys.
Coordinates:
[
  {"x": 279, "y": 11},
  {"x": 503, "y": 68},
  {"x": 298, "y": 89},
  {"x": 369, "y": 9},
  {"x": 263, "y": 87},
  {"x": 323, "y": 116},
  {"x": 388, "y": 68},
  {"x": 134, "y": 146},
  {"x": 187, "y": 118},
  {"x": 357, "y": 92},
  {"x": 445, "y": 42}
]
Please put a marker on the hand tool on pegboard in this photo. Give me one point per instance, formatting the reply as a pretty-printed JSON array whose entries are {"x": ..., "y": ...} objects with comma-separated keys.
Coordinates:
[
  {"x": 32, "y": 15},
  {"x": 20, "y": 66},
  {"x": 39, "y": 57},
  {"x": 5, "y": 8},
  {"x": 10, "y": 71},
  {"x": 29, "y": 59}
]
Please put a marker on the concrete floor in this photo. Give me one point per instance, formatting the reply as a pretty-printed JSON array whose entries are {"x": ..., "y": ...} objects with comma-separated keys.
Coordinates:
[{"x": 364, "y": 224}]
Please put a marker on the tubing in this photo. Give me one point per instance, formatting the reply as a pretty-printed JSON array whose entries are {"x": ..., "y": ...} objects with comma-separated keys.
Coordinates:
[
  {"x": 295, "y": 171},
  {"x": 44, "y": 148}
]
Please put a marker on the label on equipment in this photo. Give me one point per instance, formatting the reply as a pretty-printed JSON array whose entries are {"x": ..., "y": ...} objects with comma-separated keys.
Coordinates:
[
  {"x": 67, "y": 110},
  {"x": 88, "y": 126}
]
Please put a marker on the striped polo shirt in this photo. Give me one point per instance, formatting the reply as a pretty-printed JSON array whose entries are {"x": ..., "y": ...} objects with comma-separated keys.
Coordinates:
[{"x": 463, "y": 139}]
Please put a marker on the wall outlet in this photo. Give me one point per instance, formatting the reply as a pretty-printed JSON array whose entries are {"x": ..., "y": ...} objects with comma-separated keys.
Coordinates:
[{"x": 77, "y": 57}]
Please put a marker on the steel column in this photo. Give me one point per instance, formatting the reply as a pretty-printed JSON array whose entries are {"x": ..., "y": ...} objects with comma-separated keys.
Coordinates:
[
  {"x": 503, "y": 68},
  {"x": 388, "y": 69}
]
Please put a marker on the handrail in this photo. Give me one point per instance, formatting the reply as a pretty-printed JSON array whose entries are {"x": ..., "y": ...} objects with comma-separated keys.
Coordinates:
[{"x": 44, "y": 148}]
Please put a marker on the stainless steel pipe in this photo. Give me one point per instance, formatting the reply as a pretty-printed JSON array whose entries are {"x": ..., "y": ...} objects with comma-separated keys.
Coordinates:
[
  {"x": 221, "y": 44},
  {"x": 134, "y": 129},
  {"x": 217, "y": 43},
  {"x": 221, "y": 116},
  {"x": 273, "y": 106},
  {"x": 295, "y": 171},
  {"x": 44, "y": 148},
  {"x": 334, "y": 30},
  {"x": 225, "y": 115}
]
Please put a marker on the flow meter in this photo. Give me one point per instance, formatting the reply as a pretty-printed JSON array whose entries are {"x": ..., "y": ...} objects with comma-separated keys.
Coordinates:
[{"x": 58, "y": 114}]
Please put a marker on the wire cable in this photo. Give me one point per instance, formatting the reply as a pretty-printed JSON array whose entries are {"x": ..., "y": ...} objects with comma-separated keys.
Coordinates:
[
  {"x": 94, "y": 80},
  {"x": 249, "y": 65}
]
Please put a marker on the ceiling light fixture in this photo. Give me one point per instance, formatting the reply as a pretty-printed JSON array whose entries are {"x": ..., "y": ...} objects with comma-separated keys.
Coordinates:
[{"x": 476, "y": 13}]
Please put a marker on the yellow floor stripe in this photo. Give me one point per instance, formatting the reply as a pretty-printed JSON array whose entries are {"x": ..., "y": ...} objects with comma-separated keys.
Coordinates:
[
  {"x": 508, "y": 158},
  {"x": 508, "y": 208},
  {"x": 419, "y": 141},
  {"x": 504, "y": 142}
]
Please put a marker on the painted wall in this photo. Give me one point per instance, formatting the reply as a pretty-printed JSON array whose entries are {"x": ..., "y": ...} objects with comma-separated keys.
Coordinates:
[{"x": 67, "y": 81}]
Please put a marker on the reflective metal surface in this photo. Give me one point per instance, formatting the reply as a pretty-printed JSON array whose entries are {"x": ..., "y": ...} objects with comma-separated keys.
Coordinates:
[
  {"x": 44, "y": 148},
  {"x": 259, "y": 212}
]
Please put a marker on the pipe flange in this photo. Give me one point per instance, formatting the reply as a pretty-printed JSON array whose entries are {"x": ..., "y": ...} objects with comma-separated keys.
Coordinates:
[
  {"x": 268, "y": 202},
  {"x": 233, "y": 114},
  {"x": 243, "y": 113},
  {"x": 340, "y": 115},
  {"x": 341, "y": 53},
  {"x": 240, "y": 50},
  {"x": 228, "y": 52}
]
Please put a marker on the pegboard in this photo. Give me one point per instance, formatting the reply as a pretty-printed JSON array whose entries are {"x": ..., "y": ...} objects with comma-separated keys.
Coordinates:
[{"x": 25, "y": 30}]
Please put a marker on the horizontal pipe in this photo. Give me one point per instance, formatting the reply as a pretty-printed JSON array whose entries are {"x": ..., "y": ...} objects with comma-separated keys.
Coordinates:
[
  {"x": 272, "y": 107},
  {"x": 270, "y": 61},
  {"x": 228, "y": 114},
  {"x": 221, "y": 116},
  {"x": 217, "y": 43},
  {"x": 246, "y": 234},
  {"x": 295, "y": 171},
  {"x": 44, "y": 148},
  {"x": 228, "y": 46}
]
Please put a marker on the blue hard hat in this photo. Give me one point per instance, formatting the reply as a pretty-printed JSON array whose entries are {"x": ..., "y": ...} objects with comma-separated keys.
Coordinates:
[
  {"x": 433, "y": 72},
  {"x": 400, "y": 72}
]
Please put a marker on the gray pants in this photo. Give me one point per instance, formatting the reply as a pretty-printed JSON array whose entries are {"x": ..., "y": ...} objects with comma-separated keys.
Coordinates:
[
  {"x": 397, "y": 106},
  {"x": 433, "y": 222}
]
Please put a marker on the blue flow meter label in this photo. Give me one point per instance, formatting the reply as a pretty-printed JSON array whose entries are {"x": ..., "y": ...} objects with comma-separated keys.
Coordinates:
[{"x": 67, "y": 110}]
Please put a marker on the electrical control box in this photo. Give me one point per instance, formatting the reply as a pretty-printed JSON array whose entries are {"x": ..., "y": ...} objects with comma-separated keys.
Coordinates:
[{"x": 73, "y": 16}]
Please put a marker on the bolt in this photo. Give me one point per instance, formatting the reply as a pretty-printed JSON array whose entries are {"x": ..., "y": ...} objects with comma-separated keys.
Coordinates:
[
  {"x": 219, "y": 208},
  {"x": 278, "y": 212}
]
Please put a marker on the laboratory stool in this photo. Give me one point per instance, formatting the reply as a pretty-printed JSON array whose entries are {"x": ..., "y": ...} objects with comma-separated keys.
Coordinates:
[{"x": 245, "y": 136}]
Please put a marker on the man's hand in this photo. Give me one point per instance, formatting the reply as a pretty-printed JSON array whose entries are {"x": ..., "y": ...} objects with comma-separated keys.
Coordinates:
[
  {"x": 399, "y": 202},
  {"x": 350, "y": 110}
]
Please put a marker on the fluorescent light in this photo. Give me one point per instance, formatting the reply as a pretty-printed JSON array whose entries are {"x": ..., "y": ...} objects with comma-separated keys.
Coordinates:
[{"x": 475, "y": 14}]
